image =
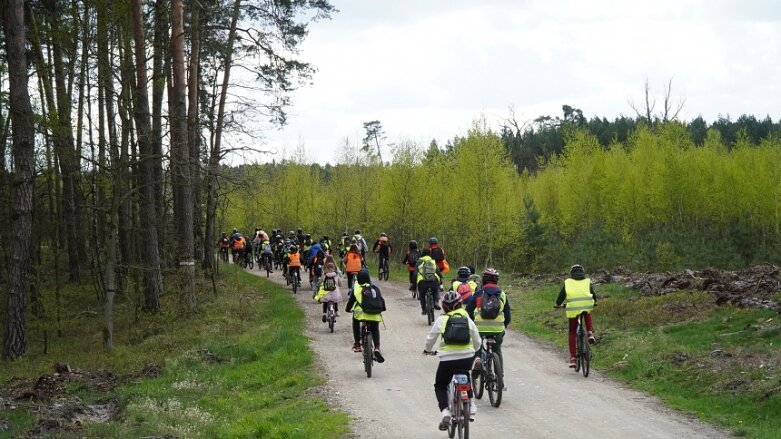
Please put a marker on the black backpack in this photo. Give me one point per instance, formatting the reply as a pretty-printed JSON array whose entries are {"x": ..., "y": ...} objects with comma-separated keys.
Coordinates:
[
  {"x": 329, "y": 283},
  {"x": 437, "y": 254},
  {"x": 456, "y": 330},
  {"x": 490, "y": 304},
  {"x": 371, "y": 300},
  {"x": 412, "y": 257}
]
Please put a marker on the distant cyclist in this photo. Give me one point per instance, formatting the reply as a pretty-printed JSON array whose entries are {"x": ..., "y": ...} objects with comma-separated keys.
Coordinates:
[
  {"x": 352, "y": 264},
  {"x": 383, "y": 248},
  {"x": 224, "y": 244},
  {"x": 490, "y": 310},
  {"x": 293, "y": 262},
  {"x": 460, "y": 340},
  {"x": 463, "y": 285},
  {"x": 437, "y": 253},
  {"x": 429, "y": 278},
  {"x": 411, "y": 259},
  {"x": 578, "y": 291},
  {"x": 361, "y": 243}
]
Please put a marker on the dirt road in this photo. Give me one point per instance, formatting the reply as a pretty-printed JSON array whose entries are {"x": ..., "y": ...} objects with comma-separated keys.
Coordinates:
[{"x": 545, "y": 399}]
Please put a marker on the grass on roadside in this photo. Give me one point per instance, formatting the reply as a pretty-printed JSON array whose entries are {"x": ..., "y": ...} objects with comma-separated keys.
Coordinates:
[
  {"x": 722, "y": 364},
  {"x": 240, "y": 368}
]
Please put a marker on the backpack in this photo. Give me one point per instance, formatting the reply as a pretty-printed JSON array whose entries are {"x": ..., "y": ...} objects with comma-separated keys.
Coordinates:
[
  {"x": 429, "y": 271},
  {"x": 371, "y": 300},
  {"x": 456, "y": 330},
  {"x": 437, "y": 254},
  {"x": 464, "y": 290},
  {"x": 412, "y": 258},
  {"x": 490, "y": 305},
  {"x": 329, "y": 283}
]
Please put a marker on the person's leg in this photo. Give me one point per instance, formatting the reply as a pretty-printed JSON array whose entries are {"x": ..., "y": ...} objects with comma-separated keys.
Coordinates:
[
  {"x": 499, "y": 337},
  {"x": 412, "y": 277},
  {"x": 356, "y": 332},
  {"x": 422, "y": 296},
  {"x": 441, "y": 381},
  {"x": 589, "y": 324},
  {"x": 573, "y": 328},
  {"x": 374, "y": 327}
]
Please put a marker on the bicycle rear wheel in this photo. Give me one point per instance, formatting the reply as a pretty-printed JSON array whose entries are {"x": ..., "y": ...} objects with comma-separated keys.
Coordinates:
[
  {"x": 579, "y": 351},
  {"x": 368, "y": 352},
  {"x": 463, "y": 421},
  {"x": 496, "y": 383},
  {"x": 430, "y": 307},
  {"x": 453, "y": 406},
  {"x": 586, "y": 356}
]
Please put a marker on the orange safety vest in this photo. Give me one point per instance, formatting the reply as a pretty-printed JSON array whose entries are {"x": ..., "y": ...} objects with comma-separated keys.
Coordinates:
[
  {"x": 353, "y": 264},
  {"x": 238, "y": 244},
  {"x": 295, "y": 260}
]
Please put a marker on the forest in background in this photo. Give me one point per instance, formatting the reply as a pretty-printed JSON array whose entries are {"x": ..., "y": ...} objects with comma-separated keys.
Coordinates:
[{"x": 657, "y": 200}]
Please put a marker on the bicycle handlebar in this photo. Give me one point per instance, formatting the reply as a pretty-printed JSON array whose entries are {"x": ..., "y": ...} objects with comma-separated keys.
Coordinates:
[{"x": 430, "y": 353}]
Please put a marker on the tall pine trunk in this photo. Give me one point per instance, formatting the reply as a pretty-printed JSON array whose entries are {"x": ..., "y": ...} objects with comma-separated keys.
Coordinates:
[
  {"x": 216, "y": 153},
  {"x": 180, "y": 159},
  {"x": 153, "y": 280},
  {"x": 15, "y": 340}
]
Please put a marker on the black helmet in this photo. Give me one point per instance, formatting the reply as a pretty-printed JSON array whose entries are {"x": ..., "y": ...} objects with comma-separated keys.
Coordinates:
[
  {"x": 413, "y": 244},
  {"x": 364, "y": 277},
  {"x": 577, "y": 271},
  {"x": 451, "y": 301},
  {"x": 294, "y": 249},
  {"x": 464, "y": 272},
  {"x": 344, "y": 233},
  {"x": 383, "y": 234},
  {"x": 433, "y": 240},
  {"x": 357, "y": 232},
  {"x": 490, "y": 275}
]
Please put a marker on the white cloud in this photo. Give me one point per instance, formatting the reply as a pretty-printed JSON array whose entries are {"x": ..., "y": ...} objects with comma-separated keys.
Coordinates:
[{"x": 427, "y": 69}]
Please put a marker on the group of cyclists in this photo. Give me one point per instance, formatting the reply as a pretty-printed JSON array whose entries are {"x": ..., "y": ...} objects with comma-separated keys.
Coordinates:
[{"x": 474, "y": 306}]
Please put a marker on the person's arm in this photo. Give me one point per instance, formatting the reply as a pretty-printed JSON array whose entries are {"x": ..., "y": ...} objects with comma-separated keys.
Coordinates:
[
  {"x": 475, "y": 336},
  {"x": 507, "y": 313},
  {"x": 471, "y": 303},
  {"x": 562, "y": 296},
  {"x": 350, "y": 302},
  {"x": 433, "y": 334},
  {"x": 593, "y": 293}
]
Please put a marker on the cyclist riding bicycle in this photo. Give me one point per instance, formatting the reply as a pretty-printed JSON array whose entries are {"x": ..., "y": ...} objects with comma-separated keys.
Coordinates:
[
  {"x": 361, "y": 243},
  {"x": 411, "y": 259},
  {"x": 438, "y": 254},
  {"x": 352, "y": 264},
  {"x": 463, "y": 285},
  {"x": 293, "y": 262},
  {"x": 383, "y": 248},
  {"x": 578, "y": 291},
  {"x": 490, "y": 310},
  {"x": 224, "y": 244},
  {"x": 460, "y": 340},
  {"x": 357, "y": 305},
  {"x": 266, "y": 254},
  {"x": 429, "y": 277},
  {"x": 330, "y": 288},
  {"x": 237, "y": 247}
]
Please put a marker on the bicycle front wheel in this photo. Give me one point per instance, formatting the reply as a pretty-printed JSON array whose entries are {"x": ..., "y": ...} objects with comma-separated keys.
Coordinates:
[{"x": 496, "y": 383}]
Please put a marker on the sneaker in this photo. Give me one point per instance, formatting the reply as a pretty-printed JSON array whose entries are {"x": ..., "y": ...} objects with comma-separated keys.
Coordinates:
[
  {"x": 504, "y": 387},
  {"x": 336, "y": 313},
  {"x": 437, "y": 307},
  {"x": 357, "y": 348},
  {"x": 423, "y": 313},
  {"x": 324, "y": 318},
  {"x": 572, "y": 362},
  {"x": 444, "y": 423},
  {"x": 591, "y": 339},
  {"x": 378, "y": 356},
  {"x": 472, "y": 409},
  {"x": 412, "y": 287}
]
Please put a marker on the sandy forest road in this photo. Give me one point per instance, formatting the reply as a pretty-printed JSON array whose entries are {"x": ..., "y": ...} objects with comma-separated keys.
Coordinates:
[{"x": 545, "y": 399}]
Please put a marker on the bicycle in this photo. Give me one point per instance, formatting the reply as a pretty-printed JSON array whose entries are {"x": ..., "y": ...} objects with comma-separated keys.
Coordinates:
[
  {"x": 267, "y": 263},
  {"x": 249, "y": 261},
  {"x": 429, "y": 305},
  {"x": 383, "y": 268},
  {"x": 458, "y": 403},
  {"x": 582, "y": 346},
  {"x": 491, "y": 374},
  {"x": 293, "y": 278},
  {"x": 224, "y": 254},
  {"x": 368, "y": 349},
  {"x": 330, "y": 315}
]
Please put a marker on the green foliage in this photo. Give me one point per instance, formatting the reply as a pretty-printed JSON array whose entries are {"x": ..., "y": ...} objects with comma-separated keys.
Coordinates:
[
  {"x": 242, "y": 368},
  {"x": 719, "y": 363}
]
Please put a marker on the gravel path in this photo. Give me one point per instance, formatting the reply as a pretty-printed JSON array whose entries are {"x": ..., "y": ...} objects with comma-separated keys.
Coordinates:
[{"x": 545, "y": 399}]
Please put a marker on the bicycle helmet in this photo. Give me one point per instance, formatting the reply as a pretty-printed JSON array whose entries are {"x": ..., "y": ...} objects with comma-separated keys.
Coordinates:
[
  {"x": 364, "y": 277},
  {"x": 463, "y": 272},
  {"x": 344, "y": 233},
  {"x": 451, "y": 301},
  {"x": 490, "y": 275},
  {"x": 294, "y": 249},
  {"x": 413, "y": 244},
  {"x": 383, "y": 234},
  {"x": 433, "y": 240},
  {"x": 577, "y": 271}
]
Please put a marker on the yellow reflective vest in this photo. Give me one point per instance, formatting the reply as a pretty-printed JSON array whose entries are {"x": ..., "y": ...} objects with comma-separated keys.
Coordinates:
[{"x": 579, "y": 296}]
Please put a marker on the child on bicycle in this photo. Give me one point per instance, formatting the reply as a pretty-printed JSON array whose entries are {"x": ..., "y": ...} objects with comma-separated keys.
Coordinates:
[
  {"x": 352, "y": 264},
  {"x": 330, "y": 287},
  {"x": 580, "y": 297},
  {"x": 293, "y": 263},
  {"x": 411, "y": 259},
  {"x": 356, "y": 304},
  {"x": 460, "y": 340}
]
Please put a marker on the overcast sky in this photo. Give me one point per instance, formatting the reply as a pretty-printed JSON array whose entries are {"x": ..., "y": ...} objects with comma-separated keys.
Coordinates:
[{"x": 427, "y": 69}]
